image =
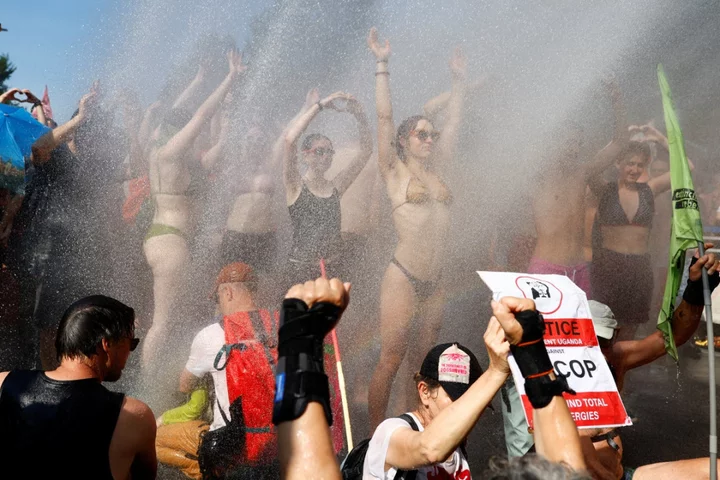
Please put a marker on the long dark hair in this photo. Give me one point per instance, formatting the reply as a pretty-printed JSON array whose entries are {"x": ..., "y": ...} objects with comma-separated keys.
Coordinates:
[{"x": 403, "y": 131}]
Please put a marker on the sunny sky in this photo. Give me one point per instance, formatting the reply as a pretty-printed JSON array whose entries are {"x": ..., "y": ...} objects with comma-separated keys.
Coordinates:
[{"x": 44, "y": 44}]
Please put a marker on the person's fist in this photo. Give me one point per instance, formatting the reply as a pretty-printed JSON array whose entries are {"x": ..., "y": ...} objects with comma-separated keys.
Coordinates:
[
  {"x": 708, "y": 261},
  {"x": 505, "y": 310},
  {"x": 322, "y": 290},
  {"x": 497, "y": 346}
]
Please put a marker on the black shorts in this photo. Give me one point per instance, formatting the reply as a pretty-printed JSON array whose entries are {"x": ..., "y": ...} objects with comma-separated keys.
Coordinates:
[{"x": 624, "y": 283}]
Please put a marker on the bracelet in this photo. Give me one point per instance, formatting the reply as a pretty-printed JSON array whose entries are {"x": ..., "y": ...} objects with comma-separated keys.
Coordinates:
[
  {"x": 320, "y": 107},
  {"x": 382, "y": 73},
  {"x": 36, "y": 104},
  {"x": 382, "y": 61}
]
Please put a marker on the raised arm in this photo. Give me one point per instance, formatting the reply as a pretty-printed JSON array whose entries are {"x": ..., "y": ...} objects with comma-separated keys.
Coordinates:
[
  {"x": 409, "y": 449},
  {"x": 36, "y": 104},
  {"x": 651, "y": 134},
  {"x": 448, "y": 139},
  {"x": 182, "y": 141},
  {"x": 278, "y": 149},
  {"x": 300, "y": 412},
  {"x": 191, "y": 90},
  {"x": 347, "y": 176},
  {"x": 210, "y": 159},
  {"x": 621, "y": 136},
  {"x": 291, "y": 172},
  {"x": 686, "y": 318},
  {"x": 387, "y": 156},
  {"x": 43, "y": 146},
  {"x": 556, "y": 436}
]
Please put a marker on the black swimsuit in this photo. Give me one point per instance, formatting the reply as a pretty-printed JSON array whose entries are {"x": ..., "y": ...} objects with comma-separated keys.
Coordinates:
[
  {"x": 610, "y": 211},
  {"x": 622, "y": 281}
]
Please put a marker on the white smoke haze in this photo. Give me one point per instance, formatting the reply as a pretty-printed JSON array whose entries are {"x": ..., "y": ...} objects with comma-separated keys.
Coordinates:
[{"x": 542, "y": 64}]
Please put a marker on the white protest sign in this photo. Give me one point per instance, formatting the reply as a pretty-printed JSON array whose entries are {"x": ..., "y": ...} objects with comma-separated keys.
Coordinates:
[{"x": 571, "y": 344}]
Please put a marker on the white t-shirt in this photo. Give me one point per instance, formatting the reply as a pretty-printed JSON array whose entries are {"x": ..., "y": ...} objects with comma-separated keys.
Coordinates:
[
  {"x": 205, "y": 347},
  {"x": 456, "y": 467}
]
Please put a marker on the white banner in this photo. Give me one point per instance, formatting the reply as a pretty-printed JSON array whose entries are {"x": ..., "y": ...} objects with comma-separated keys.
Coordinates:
[{"x": 571, "y": 343}]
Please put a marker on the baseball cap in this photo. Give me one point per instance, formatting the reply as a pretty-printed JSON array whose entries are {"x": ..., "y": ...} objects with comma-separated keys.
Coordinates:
[
  {"x": 453, "y": 366},
  {"x": 233, "y": 273},
  {"x": 603, "y": 320}
]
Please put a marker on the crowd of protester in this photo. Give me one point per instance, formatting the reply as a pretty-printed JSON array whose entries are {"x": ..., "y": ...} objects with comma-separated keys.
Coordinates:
[{"x": 184, "y": 199}]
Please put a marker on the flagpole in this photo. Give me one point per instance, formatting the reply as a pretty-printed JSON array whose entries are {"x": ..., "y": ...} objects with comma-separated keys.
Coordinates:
[
  {"x": 341, "y": 376},
  {"x": 711, "y": 367}
]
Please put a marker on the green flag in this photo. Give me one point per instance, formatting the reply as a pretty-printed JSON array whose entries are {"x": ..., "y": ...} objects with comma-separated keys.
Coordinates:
[{"x": 686, "y": 226}]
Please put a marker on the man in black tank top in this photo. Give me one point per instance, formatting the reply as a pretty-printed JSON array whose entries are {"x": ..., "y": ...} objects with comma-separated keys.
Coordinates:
[{"x": 63, "y": 423}]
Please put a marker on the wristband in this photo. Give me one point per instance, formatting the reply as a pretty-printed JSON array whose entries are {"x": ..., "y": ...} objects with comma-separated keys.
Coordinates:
[
  {"x": 382, "y": 73},
  {"x": 694, "y": 291},
  {"x": 35, "y": 105},
  {"x": 303, "y": 330},
  {"x": 541, "y": 390},
  {"x": 530, "y": 353},
  {"x": 382, "y": 61},
  {"x": 295, "y": 388},
  {"x": 319, "y": 106}
]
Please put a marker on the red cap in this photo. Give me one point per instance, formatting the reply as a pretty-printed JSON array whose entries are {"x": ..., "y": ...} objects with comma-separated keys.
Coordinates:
[{"x": 233, "y": 273}]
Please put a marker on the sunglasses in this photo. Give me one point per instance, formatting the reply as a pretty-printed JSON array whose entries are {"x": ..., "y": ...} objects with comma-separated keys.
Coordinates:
[
  {"x": 320, "y": 151},
  {"x": 423, "y": 135},
  {"x": 134, "y": 343}
]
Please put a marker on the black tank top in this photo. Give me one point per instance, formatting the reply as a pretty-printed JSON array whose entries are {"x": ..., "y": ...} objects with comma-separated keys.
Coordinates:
[
  {"x": 316, "y": 225},
  {"x": 610, "y": 212},
  {"x": 53, "y": 429}
]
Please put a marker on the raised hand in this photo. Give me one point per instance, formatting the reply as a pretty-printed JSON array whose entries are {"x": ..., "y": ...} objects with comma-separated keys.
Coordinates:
[
  {"x": 505, "y": 309},
  {"x": 652, "y": 134},
  {"x": 381, "y": 52},
  {"x": 30, "y": 97},
  {"x": 9, "y": 96},
  {"x": 322, "y": 290},
  {"x": 353, "y": 105},
  {"x": 330, "y": 101},
  {"x": 708, "y": 261},
  {"x": 497, "y": 346},
  {"x": 458, "y": 64},
  {"x": 312, "y": 97},
  {"x": 87, "y": 102},
  {"x": 235, "y": 61}
]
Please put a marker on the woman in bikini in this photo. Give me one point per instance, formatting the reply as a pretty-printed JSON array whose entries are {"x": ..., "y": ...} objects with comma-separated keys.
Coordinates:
[
  {"x": 621, "y": 273},
  {"x": 166, "y": 247},
  {"x": 410, "y": 162},
  {"x": 313, "y": 200}
]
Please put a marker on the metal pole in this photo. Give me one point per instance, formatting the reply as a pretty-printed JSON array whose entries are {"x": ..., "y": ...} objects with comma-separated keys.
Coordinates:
[{"x": 711, "y": 368}]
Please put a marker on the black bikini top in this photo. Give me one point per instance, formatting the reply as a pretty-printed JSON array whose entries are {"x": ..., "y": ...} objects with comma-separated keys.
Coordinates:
[{"x": 610, "y": 212}]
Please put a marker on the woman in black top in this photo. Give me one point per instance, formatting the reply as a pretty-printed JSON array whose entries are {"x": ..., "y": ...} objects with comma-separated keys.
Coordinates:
[
  {"x": 621, "y": 273},
  {"x": 313, "y": 200}
]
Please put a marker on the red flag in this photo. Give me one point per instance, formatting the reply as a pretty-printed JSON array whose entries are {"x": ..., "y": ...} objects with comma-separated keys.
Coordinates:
[{"x": 45, "y": 105}]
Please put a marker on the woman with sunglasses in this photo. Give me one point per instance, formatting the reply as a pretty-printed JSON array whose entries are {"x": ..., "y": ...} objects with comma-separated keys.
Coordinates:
[
  {"x": 313, "y": 200},
  {"x": 410, "y": 163}
]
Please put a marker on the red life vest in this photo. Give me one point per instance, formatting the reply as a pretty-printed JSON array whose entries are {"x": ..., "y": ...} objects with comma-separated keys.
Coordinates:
[{"x": 251, "y": 352}]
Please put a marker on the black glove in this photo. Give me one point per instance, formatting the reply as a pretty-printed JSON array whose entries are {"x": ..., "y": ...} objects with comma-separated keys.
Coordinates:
[{"x": 693, "y": 293}]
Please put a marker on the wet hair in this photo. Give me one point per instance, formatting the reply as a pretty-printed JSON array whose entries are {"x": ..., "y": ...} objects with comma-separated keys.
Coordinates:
[
  {"x": 403, "y": 131},
  {"x": 90, "y": 320},
  {"x": 530, "y": 467},
  {"x": 635, "y": 148},
  {"x": 312, "y": 138}
]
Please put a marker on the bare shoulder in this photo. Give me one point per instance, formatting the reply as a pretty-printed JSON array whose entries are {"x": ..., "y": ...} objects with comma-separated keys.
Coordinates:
[
  {"x": 136, "y": 414},
  {"x": 3, "y": 375}
]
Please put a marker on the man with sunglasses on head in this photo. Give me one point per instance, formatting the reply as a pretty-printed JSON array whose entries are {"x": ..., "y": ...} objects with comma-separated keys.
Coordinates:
[{"x": 64, "y": 422}]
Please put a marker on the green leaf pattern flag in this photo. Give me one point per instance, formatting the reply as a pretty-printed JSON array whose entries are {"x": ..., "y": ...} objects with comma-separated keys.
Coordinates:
[{"x": 686, "y": 225}]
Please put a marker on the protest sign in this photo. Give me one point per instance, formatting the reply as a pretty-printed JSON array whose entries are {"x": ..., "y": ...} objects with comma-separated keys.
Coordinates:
[{"x": 571, "y": 344}]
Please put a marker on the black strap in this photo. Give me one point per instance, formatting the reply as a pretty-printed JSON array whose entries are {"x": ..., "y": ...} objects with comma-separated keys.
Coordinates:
[
  {"x": 409, "y": 474},
  {"x": 262, "y": 335},
  {"x": 609, "y": 438}
]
